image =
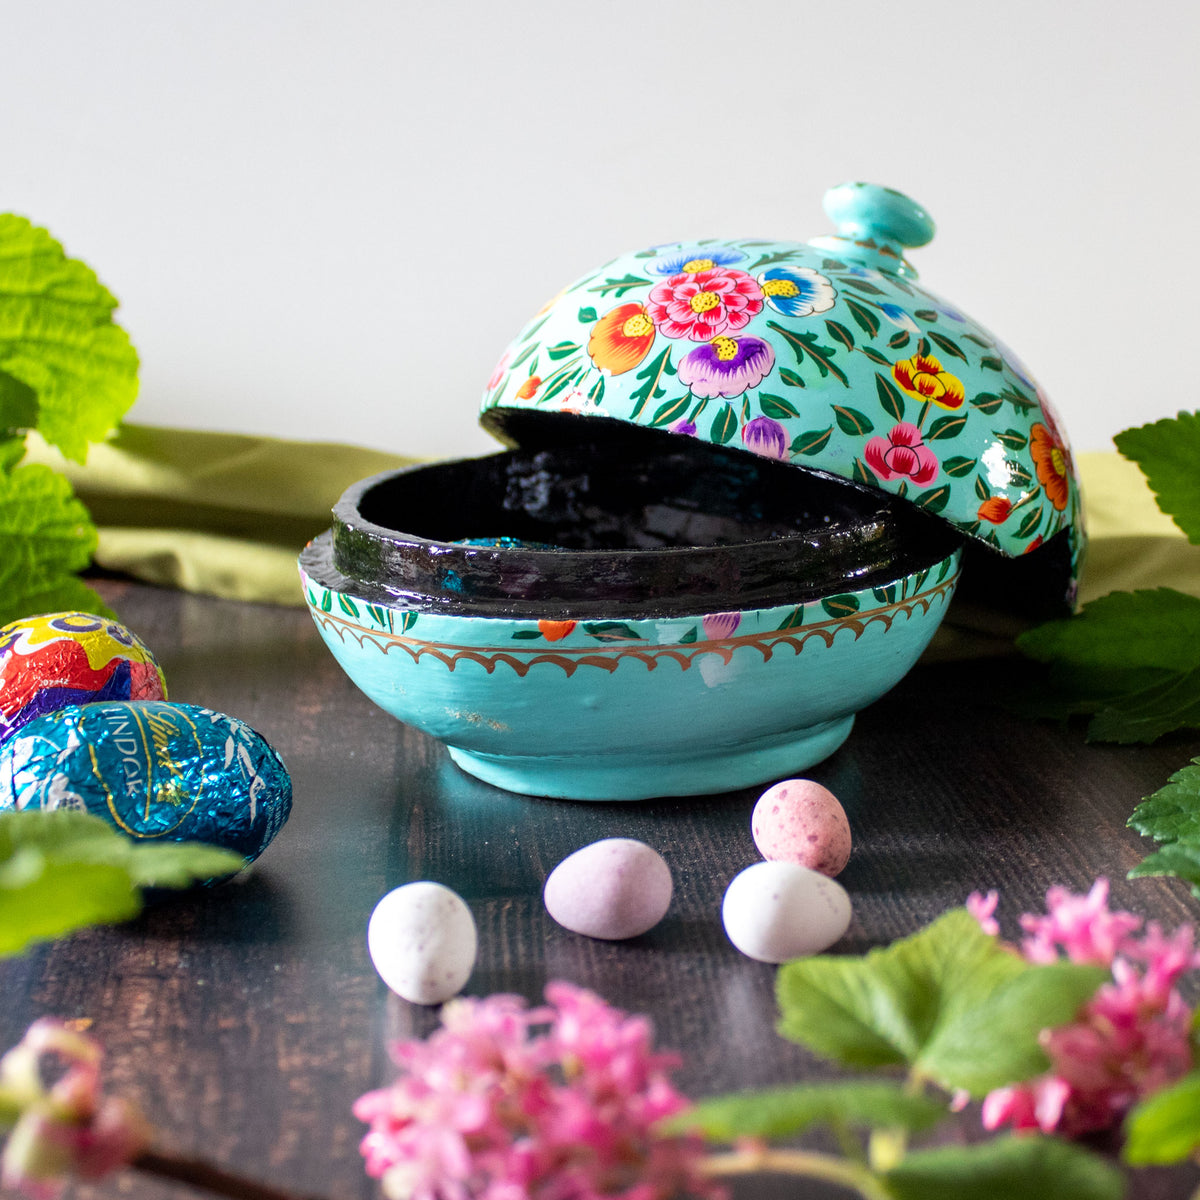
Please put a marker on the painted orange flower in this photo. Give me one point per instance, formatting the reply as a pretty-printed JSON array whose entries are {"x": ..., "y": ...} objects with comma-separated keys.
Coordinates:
[
  {"x": 554, "y": 631},
  {"x": 1053, "y": 462},
  {"x": 529, "y": 388},
  {"x": 922, "y": 376},
  {"x": 621, "y": 338},
  {"x": 995, "y": 509}
]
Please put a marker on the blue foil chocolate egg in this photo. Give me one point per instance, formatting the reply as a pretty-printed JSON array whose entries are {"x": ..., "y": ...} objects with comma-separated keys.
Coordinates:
[{"x": 155, "y": 770}]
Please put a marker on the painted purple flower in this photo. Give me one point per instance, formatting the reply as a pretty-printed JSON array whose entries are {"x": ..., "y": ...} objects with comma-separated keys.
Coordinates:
[
  {"x": 720, "y": 625},
  {"x": 766, "y": 437},
  {"x": 684, "y": 426},
  {"x": 726, "y": 366}
]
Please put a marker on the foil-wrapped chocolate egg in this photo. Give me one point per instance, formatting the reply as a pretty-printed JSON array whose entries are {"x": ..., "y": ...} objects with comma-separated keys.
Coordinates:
[
  {"x": 51, "y": 661},
  {"x": 174, "y": 772}
]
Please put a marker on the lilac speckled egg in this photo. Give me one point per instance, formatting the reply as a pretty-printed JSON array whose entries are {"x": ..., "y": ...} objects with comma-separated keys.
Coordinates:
[
  {"x": 422, "y": 940},
  {"x": 613, "y": 889},
  {"x": 799, "y": 821},
  {"x": 776, "y": 911}
]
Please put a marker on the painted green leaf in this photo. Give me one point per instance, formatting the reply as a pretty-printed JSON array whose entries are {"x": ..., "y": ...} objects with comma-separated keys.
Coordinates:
[
  {"x": 691, "y": 636},
  {"x": 982, "y": 343},
  {"x": 958, "y": 467},
  {"x": 1018, "y": 399},
  {"x": 776, "y": 406},
  {"x": 562, "y": 349},
  {"x": 925, "y": 314},
  {"x": 1029, "y": 523},
  {"x": 805, "y": 346},
  {"x": 885, "y": 595},
  {"x": 949, "y": 1002},
  {"x": 793, "y": 620},
  {"x": 981, "y": 488},
  {"x": 783, "y": 1112},
  {"x": 990, "y": 362},
  {"x": 851, "y": 421},
  {"x": 791, "y": 378},
  {"x": 862, "y": 285},
  {"x": 1005, "y": 1168},
  {"x": 612, "y": 631},
  {"x": 949, "y": 426},
  {"x": 408, "y": 620},
  {"x": 619, "y": 287},
  {"x": 862, "y": 475},
  {"x": 347, "y": 605},
  {"x": 899, "y": 340},
  {"x": 1018, "y": 476},
  {"x": 840, "y": 333},
  {"x": 934, "y": 500},
  {"x": 58, "y": 339},
  {"x": 987, "y": 403},
  {"x": 47, "y": 536},
  {"x": 523, "y": 356},
  {"x": 812, "y": 441},
  {"x": 874, "y": 356},
  {"x": 1166, "y": 1127},
  {"x": 946, "y": 345},
  {"x": 653, "y": 374},
  {"x": 923, "y": 347},
  {"x": 724, "y": 425},
  {"x": 864, "y": 318},
  {"x": 1167, "y": 452},
  {"x": 326, "y": 601},
  {"x": 587, "y": 315},
  {"x": 841, "y": 606},
  {"x": 889, "y": 397},
  {"x": 672, "y": 410},
  {"x": 563, "y": 378},
  {"x": 527, "y": 635},
  {"x": 1014, "y": 439}
]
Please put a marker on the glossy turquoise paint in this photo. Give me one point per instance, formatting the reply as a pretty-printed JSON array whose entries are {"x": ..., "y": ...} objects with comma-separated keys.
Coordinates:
[{"x": 629, "y": 709}]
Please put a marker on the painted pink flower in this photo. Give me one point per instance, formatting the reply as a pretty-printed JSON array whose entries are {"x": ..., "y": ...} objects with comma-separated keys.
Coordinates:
[
  {"x": 1129, "y": 1041},
  {"x": 704, "y": 304},
  {"x": 727, "y": 366},
  {"x": 902, "y": 455},
  {"x": 720, "y": 625},
  {"x": 510, "y": 1103},
  {"x": 765, "y": 436},
  {"x": 498, "y": 370}
]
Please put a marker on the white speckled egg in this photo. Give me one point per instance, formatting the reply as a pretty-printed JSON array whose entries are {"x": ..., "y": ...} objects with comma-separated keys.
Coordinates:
[
  {"x": 613, "y": 889},
  {"x": 422, "y": 940},
  {"x": 799, "y": 821},
  {"x": 776, "y": 911}
]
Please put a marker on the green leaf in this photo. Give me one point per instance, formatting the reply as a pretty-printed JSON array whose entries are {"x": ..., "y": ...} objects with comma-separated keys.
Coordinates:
[
  {"x": 1014, "y": 439},
  {"x": 812, "y": 441},
  {"x": 785, "y": 1111},
  {"x": 949, "y": 1002},
  {"x": 958, "y": 467},
  {"x": 776, "y": 406},
  {"x": 1146, "y": 715},
  {"x": 864, "y": 318},
  {"x": 840, "y": 606},
  {"x": 527, "y": 634},
  {"x": 934, "y": 500},
  {"x": 875, "y": 356},
  {"x": 724, "y": 425},
  {"x": 587, "y": 315},
  {"x": 990, "y": 362},
  {"x": 58, "y": 339},
  {"x": 1029, "y": 523},
  {"x": 863, "y": 475},
  {"x": 1167, "y": 452},
  {"x": 619, "y": 287},
  {"x": 1172, "y": 813},
  {"x": 672, "y": 410},
  {"x": 691, "y": 636},
  {"x": 347, "y": 605},
  {"x": 652, "y": 373},
  {"x": 46, "y": 535},
  {"x": 898, "y": 340},
  {"x": 988, "y": 404},
  {"x": 64, "y": 870},
  {"x": 948, "y": 426},
  {"x": 1180, "y": 860},
  {"x": 945, "y": 344},
  {"x": 562, "y": 349},
  {"x": 791, "y": 378},
  {"x": 889, "y": 397},
  {"x": 805, "y": 345},
  {"x": 840, "y": 333},
  {"x": 1005, "y": 1168},
  {"x": 862, "y": 285},
  {"x": 523, "y": 356},
  {"x": 925, "y": 314},
  {"x": 18, "y": 404},
  {"x": 1166, "y": 1127},
  {"x": 851, "y": 421},
  {"x": 612, "y": 631}
]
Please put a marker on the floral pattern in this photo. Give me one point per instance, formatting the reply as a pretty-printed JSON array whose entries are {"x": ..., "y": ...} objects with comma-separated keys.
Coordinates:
[
  {"x": 823, "y": 361},
  {"x": 703, "y": 305}
]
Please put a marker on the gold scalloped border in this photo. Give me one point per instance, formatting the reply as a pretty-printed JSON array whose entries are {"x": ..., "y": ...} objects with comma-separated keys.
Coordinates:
[{"x": 608, "y": 658}]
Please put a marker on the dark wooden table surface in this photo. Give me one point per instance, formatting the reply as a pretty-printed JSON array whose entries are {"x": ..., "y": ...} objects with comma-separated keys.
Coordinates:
[{"x": 247, "y": 1018}]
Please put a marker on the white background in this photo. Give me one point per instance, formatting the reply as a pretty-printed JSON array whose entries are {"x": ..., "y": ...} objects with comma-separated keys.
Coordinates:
[{"x": 326, "y": 220}]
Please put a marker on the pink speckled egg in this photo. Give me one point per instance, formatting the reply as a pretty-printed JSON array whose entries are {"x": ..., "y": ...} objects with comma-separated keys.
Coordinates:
[
  {"x": 613, "y": 889},
  {"x": 799, "y": 821}
]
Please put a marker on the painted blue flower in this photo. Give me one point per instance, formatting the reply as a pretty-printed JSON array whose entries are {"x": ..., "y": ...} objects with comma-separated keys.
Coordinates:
[
  {"x": 687, "y": 260},
  {"x": 797, "y": 291},
  {"x": 898, "y": 316}
]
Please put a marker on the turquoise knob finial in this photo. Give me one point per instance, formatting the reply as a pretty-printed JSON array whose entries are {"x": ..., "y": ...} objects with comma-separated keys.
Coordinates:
[{"x": 864, "y": 211}]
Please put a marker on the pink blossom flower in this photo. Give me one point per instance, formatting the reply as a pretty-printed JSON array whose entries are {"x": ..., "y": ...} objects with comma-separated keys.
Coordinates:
[
  {"x": 727, "y": 366},
  {"x": 983, "y": 908},
  {"x": 70, "y": 1128},
  {"x": 902, "y": 454},
  {"x": 1129, "y": 1041},
  {"x": 510, "y": 1103},
  {"x": 704, "y": 304},
  {"x": 765, "y": 436},
  {"x": 720, "y": 625}
]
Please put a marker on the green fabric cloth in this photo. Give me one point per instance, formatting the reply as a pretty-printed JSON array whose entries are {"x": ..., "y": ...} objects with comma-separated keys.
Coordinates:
[{"x": 226, "y": 514}]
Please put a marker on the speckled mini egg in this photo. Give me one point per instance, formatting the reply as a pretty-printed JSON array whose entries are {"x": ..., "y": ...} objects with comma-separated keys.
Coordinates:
[
  {"x": 613, "y": 889},
  {"x": 51, "y": 661},
  {"x": 422, "y": 940},
  {"x": 799, "y": 821},
  {"x": 776, "y": 911},
  {"x": 174, "y": 772}
]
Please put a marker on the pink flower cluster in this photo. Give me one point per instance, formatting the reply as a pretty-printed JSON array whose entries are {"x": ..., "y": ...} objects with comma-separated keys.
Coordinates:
[
  {"x": 1129, "y": 1041},
  {"x": 510, "y": 1103},
  {"x": 69, "y": 1129}
]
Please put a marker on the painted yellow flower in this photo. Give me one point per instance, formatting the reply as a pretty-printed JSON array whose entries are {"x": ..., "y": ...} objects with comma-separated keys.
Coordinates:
[{"x": 922, "y": 376}]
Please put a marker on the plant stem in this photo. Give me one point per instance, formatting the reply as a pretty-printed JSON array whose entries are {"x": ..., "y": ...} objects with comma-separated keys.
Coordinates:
[
  {"x": 797, "y": 1162},
  {"x": 197, "y": 1173}
]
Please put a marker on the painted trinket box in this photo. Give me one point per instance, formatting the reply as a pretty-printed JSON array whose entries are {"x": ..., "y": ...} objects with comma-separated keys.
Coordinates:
[{"x": 644, "y": 596}]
